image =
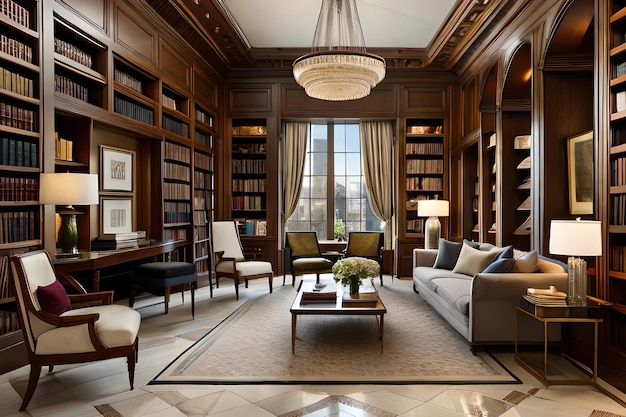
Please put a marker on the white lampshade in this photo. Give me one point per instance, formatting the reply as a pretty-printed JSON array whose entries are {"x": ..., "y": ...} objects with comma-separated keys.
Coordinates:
[
  {"x": 436, "y": 208},
  {"x": 68, "y": 188},
  {"x": 576, "y": 237}
]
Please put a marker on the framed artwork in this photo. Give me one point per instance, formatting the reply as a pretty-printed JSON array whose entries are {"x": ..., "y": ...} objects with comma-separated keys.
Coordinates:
[
  {"x": 260, "y": 227},
  {"x": 580, "y": 173},
  {"x": 116, "y": 214},
  {"x": 116, "y": 169}
]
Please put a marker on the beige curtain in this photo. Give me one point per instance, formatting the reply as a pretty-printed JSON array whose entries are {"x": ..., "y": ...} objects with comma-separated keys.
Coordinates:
[
  {"x": 377, "y": 156},
  {"x": 293, "y": 154}
]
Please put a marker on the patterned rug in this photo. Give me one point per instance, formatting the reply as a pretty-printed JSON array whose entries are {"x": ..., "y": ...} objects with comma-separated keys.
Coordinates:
[{"x": 253, "y": 345}]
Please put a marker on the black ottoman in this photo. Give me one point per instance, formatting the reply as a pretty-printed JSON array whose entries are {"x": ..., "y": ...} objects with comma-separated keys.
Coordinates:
[{"x": 159, "y": 277}]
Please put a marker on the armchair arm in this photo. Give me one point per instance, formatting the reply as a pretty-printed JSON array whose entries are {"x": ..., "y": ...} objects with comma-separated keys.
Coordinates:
[
  {"x": 69, "y": 281},
  {"x": 66, "y": 321},
  {"x": 424, "y": 257},
  {"x": 92, "y": 298}
]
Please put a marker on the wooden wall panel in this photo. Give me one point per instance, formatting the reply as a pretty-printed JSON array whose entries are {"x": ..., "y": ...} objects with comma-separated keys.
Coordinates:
[
  {"x": 251, "y": 98},
  {"x": 134, "y": 37},
  {"x": 93, "y": 11},
  {"x": 425, "y": 99},
  {"x": 204, "y": 89},
  {"x": 174, "y": 65}
]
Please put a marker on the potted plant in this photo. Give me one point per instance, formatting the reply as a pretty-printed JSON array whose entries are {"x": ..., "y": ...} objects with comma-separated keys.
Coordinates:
[
  {"x": 351, "y": 271},
  {"x": 340, "y": 230}
]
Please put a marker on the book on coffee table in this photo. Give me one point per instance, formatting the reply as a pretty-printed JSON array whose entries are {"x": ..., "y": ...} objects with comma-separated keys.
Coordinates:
[
  {"x": 319, "y": 293},
  {"x": 366, "y": 299}
]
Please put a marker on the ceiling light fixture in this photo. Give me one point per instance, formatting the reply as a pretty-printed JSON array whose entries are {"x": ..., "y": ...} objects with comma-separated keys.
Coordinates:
[{"x": 338, "y": 67}]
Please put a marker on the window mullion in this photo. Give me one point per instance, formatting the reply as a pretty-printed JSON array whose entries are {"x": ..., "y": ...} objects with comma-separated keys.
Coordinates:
[{"x": 330, "y": 181}]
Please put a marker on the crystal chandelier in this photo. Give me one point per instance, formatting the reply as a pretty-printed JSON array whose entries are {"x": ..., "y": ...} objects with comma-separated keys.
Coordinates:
[{"x": 338, "y": 67}]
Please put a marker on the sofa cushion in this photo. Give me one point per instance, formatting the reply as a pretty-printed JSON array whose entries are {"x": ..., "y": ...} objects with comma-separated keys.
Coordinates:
[
  {"x": 472, "y": 261},
  {"x": 545, "y": 264},
  {"x": 447, "y": 254},
  {"x": 455, "y": 291},
  {"x": 503, "y": 265},
  {"x": 526, "y": 263},
  {"x": 428, "y": 276}
]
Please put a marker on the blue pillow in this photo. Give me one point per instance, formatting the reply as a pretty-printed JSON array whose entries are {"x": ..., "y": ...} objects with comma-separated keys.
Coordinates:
[
  {"x": 447, "y": 254},
  {"x": 502, "y": 265},
  {"x": 507, "y": 252}
]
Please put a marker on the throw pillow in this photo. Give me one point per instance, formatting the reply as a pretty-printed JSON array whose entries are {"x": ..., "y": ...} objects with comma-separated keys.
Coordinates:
[
  {"x": 473, "y": 244},
  {"x": 502, "y": 265},
  {"x": 526, "y": 263},
  {"x": 447, "y": 254},
  {"x": 53, "y": 298},
  {"x": 507, "y": 252},
  {"x": 472, "y": 261}
]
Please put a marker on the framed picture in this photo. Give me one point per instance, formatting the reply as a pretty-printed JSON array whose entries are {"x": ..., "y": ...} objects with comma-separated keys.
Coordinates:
[
  {"x": 116, "y": 169},
  {"x": 116, "y": 214},
  {"x": 580, "y": 173},
  {"x": 260, "y": 227}
]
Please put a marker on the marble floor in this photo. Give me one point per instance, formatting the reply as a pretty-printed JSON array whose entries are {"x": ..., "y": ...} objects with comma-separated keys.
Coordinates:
[{"x": 101, "y": 389}]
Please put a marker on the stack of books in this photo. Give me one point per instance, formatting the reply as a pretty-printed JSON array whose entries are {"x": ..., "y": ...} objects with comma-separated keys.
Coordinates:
[
  {"x": 319, "y": 293},
  {"x": 548, "y": 296},
  {"x": 117, "y": 241}
]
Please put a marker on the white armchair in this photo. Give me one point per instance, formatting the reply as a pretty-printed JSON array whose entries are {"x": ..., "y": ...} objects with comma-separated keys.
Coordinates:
[
  {"x": 61, "y": 328},
  {"x": 230, "y": 261}
]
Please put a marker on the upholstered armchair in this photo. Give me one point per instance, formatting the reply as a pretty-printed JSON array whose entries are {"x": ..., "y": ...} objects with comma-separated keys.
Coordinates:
[
  {"x": 230, "y": 261},
  {"x": 366, "y": 245},
  {"x": 305, "y": 256},
  {"x": 62, "y": 328}
]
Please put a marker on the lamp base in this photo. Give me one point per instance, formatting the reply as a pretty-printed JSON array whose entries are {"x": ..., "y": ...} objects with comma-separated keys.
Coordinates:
[
  {"x": 432, "y": 233},
  {"x": 68, "y": 232},
  {"x": 576, "y": 281}
]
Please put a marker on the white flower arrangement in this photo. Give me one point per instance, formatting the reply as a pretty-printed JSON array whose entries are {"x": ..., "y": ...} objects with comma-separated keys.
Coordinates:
[{"x": 354, "y": 268}]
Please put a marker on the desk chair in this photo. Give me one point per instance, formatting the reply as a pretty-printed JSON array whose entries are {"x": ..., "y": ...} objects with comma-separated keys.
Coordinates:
[
  {"x": 366, "y": 245},
  {"x": 305, "y": 256}
]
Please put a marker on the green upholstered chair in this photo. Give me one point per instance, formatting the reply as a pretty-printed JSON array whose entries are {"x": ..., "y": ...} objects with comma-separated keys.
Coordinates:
[
  {"x": 366, "y": 245},
  {"x": 305, "y": 256}
]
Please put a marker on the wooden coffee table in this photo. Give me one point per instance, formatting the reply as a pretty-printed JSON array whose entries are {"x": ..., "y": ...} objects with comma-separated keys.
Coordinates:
[{"x": 335, "y": 307}]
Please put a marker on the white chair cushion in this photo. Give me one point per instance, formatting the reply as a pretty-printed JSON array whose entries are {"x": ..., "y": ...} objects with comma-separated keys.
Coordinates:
[
  {"x": 254, "y": 268},
  {"x": 117, "y": 326}
]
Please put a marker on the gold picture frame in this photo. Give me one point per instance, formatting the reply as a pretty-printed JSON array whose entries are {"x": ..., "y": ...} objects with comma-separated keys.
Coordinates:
[{"x": 580, "y": 173}]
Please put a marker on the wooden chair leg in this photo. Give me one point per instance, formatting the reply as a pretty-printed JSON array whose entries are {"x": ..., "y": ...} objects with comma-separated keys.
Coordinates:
[
  {"x": 130, "y": 359},
  {"x": 167, "y": 300},
  {"x": 193, "y": 299},
  {"x": 35, "y": 370},
  {"x": 210, "y": 285},
  {"x": 271, "y": 278}
]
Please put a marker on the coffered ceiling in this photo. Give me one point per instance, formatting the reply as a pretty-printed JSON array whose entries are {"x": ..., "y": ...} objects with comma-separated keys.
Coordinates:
[{"x": 270, "y": 34}]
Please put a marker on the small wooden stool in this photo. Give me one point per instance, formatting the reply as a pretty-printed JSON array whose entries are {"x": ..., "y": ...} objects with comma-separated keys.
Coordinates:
[{"x": 159, "y": 277}]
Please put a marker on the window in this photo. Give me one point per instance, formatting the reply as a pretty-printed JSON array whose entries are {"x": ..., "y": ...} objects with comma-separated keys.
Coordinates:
[{"x": 333, "y": 187}]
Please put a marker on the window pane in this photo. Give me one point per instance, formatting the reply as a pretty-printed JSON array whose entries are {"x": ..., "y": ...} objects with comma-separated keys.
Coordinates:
[
  {"x": 318, "y": 187},
  {"x": 318, "y": 209},
  {"x": 318, "y": 164},
  {"x": 340, "y": 138},
  {"x": 340, "y": 164},
  {"x": 354, "y": 164},
  {"x": 353, "y": 188},
  {"x": 353, "y": 143}
]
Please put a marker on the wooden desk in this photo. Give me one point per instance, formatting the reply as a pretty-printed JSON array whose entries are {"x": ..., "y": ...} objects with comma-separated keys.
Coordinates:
[{"x": 95, "y": 261}]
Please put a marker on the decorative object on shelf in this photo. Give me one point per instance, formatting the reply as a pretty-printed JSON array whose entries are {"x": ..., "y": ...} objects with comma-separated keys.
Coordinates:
[
  {"x": 68, "y": 189},
  {"x": 116, "y": 169},
  {"x": 433, "y": 209},
  {"x": 338, "y": 67},
  {"x": 580, "y": 173},
  {"x": 576, "y": 238},
  {"x": 339, "y": 230},
  {"x": 351, "y": 271},
  {"x": 116, "y": 214}
]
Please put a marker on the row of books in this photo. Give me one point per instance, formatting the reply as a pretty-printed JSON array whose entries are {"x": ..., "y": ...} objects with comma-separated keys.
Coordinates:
[
  {"x": 203, "y": 161},
  {"x": 203, "y": 180},
  {"x": 249, "y": 148},
  {"x": 63, "y": 148},
  {"x": 175, "y": 191},
  {"x": 415, "y": 225},
  {"x": 16, "y": 82},
  {"x": 617, "y": 258},
  {"x": 175, "y": 212},
  {"x": 133, "y": 110},
  {"x": 17, "y": 117},
  {"x": 424, "y": 148},
  {"x": 73, "y": 52},
  {"x": 249, "y": 166},
  {"x": 175, "y": 234},
  {"x": 70, "y": 87},
  {"x": 175, "y": 126},
  {"x": 204, "y": 117},
  {"x": 177, "y": 152},
  {"x": 248, "y": 202},
  {"x": 618, "y": 171},
  {"x": 424, "y": 166},
  {"x": 18, "y": 226},
  {"x": 17, "y": 152},
  {"x": 204, "y": 139},
  {"x": 618, "y": 209},
  {"x": 16, "y": 49},
  {"x": 19, "y": 189},
  {"x": 201, "y": 198},
  {"x": 169, "y": 102},
  {"x": 424, "y": 184},
  {"x": 6, "y": 289},
  {"x": 249, "y": 186},
  {"x": 15, "y": 12},
  {"x": 180, "y": 172},
  {"x": 127, "y": 80},
  {"x": 8, "y": 322}
]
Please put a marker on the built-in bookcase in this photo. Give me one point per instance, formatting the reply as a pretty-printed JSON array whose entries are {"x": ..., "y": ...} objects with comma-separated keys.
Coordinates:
[
  {"x": 176, "y": 191},
  {"x": 175, "y": 112},
  {"x": 135, "y": 92}
]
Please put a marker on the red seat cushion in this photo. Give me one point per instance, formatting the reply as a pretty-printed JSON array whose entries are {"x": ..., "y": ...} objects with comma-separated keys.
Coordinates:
[{"x": 53, "y": 298}]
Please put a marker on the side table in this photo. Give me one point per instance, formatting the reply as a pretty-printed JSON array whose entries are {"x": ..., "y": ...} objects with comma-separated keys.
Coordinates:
[{"x": 561, "y": 314}]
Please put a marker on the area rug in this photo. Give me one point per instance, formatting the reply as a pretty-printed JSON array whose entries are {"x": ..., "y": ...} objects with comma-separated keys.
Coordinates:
[{"x": 253, "y": 345}]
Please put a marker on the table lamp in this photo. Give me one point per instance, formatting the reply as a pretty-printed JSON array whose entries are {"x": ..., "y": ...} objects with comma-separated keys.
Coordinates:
[
  {"x": 433, "y": 209},
  {"x": 576, "y": 238},
  {"x": 68, "y": 189}
]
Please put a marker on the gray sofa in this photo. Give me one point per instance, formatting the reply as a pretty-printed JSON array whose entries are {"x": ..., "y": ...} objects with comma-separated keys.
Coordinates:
[{"x": 481, "y": 306}]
